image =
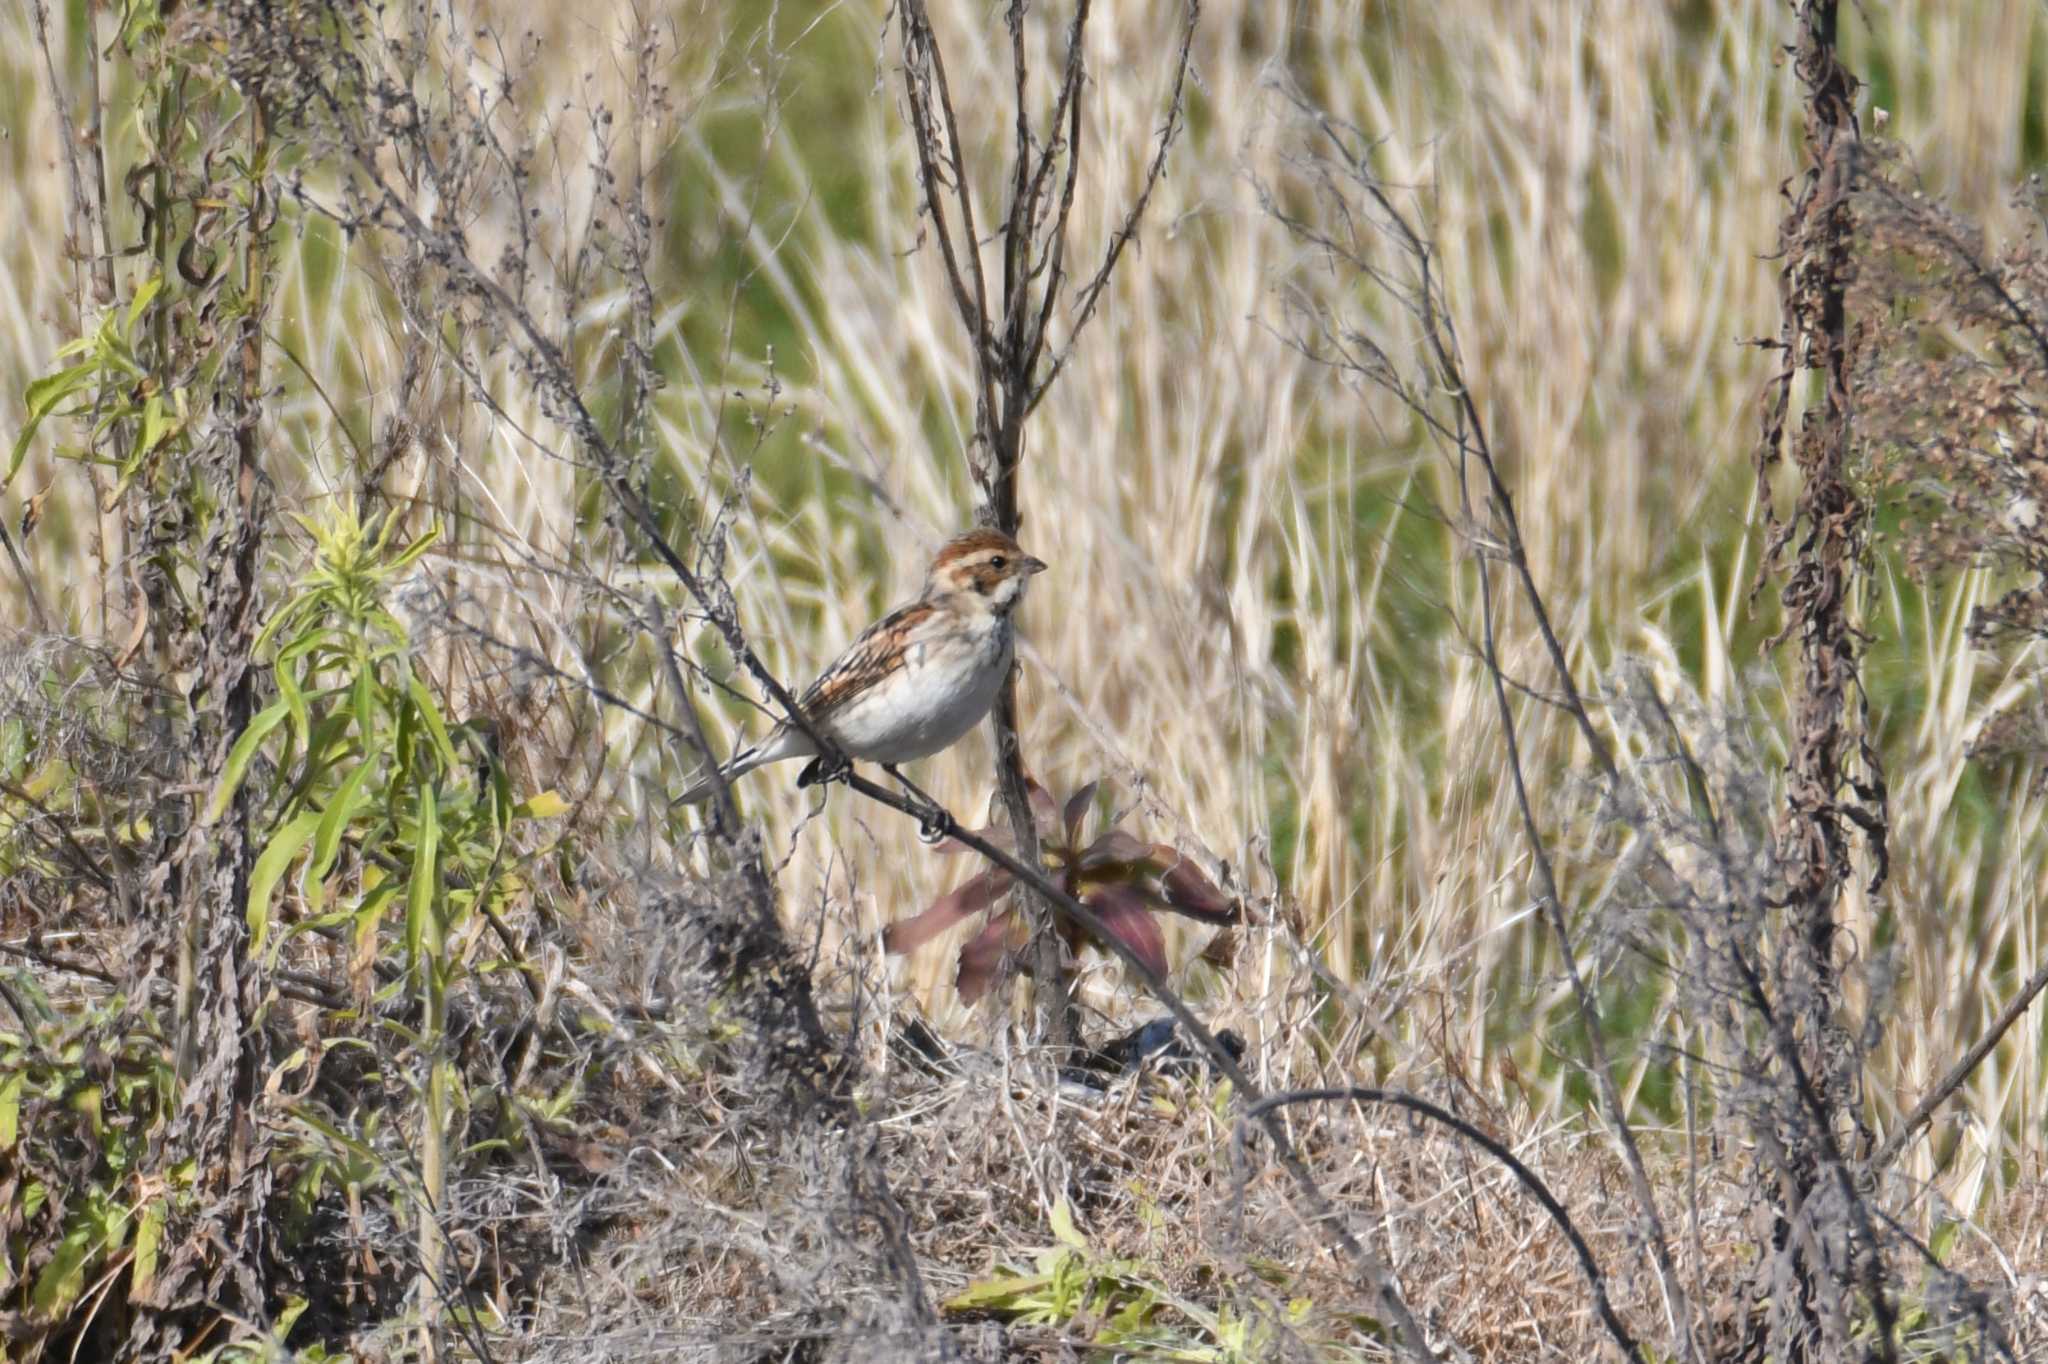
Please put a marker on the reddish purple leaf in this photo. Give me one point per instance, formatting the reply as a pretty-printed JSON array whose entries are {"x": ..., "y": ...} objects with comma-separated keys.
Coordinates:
[
  {"x": 964, "y": 901},
  {"x": 997, "y": 830},
  {"x": 1044, "y": 810},
  {"x": 1076, "y": 811},
  {"x": 981, "y": 959},
  {"x": 1115, "y": 848},
  {"x": 1130, "y": 921},
  {"x": 1192, "y": 893}
]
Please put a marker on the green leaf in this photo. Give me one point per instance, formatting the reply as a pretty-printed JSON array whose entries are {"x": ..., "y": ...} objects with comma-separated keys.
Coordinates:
[
  {"x": 240, "y": 756},
  {"x": 371, "y": 911},
  {"x": 340, "y": 810},
  {"x": 285, "y": 616},
  {"x": 1063, "y": 1228},
  {"x": 413, "y": 551},
  {"x": 430, "y": 715},
  {"x": 148, "y": 1236},
  {"x": 111, "y": 1221},
  {"x": 294, "y": 1308},
  {"x": 500, "y": 802},
  {"x": 1005, "y": 1292},
  {"x": 10, "y": 1109},
  {"x": 324, "y": 745},
  {"x": 542, "y": 805},
  {"x": 144, "y": 293},
  {"x": 42, "y": 397},
  {"x": 422, "y": 929},
  {"x": 354, "y": 1145},
  {"x": 157, "y": 423},
  {"x": 1938, "y": 1245},
  {"x": 92, "y": 1104},
  {"x": 294, "y": 698},
  {"x": 270, "y": 867},
  {"x": 63, "y": 1278},
  {"x": 364, "y": 704}
]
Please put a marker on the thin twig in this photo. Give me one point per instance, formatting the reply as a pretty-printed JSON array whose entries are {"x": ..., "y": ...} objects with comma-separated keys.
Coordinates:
[
  {"x": 1895, "y": 1144},
  {"x": 1091, "y": 293}
]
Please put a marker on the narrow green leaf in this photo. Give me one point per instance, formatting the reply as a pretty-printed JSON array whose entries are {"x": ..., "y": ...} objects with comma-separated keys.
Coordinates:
[
  {"x": 144, "y": 293},
  {"x": 501, "y": 803},
  {"x": 270, "y": 867},
  {"x": 430, "y": 716},
  {"x": 1005, "y": 1292},
  {"x": 42, "y": 397},
  {"x": 63, "y": 1278},
  {"x": 285, "y": 615},
  {"x": 240, "y": 756},
  {"x": 1063, "y": 1228},
  {"x": 112, "y": 1221},
  {"x": 1938, "y": 1245},
  {"x": 294, "y": 1308},
  {"x": 354, "y": 1145},
  {"x": 422, "y": 930},
  {"x": 294, "y": 698},
  {"x": 326, "y": 745},
  {"x": 364, "y": 704},
  {"x": 340, "y": 810},
  {"x": 148, "y": 1237},
  {"x": 542, "y": 805},
  {"x": 371, "y": 911},
  {"x": 157, "y": 423},
  {"x": 413, "y": 551},
  {"x": 10, "y": 1109}
]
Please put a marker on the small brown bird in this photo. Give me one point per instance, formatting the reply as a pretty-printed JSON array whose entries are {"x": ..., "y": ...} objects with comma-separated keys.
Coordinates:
[{"x": 919, "y": 678}]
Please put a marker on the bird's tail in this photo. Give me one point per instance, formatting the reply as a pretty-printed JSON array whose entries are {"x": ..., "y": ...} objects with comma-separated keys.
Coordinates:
[
  {"x": 743, "y": 762},
  {"x": 772, "y": 749}
]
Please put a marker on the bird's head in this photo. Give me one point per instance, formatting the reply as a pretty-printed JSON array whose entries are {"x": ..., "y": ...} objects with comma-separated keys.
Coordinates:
[{"x": 985, "y": 567}]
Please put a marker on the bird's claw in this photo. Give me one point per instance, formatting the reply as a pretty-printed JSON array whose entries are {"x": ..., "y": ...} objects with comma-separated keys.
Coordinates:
[
  {"x": 931, "y": 826},
  {"x": 823, "y": 770}
]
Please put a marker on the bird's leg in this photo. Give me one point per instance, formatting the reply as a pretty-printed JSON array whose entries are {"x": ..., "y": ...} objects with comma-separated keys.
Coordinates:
[{"x": 932, "y": 820}]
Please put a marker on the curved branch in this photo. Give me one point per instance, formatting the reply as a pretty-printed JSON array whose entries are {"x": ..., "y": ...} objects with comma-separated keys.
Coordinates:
[{"x": 1596, "y": 1279}]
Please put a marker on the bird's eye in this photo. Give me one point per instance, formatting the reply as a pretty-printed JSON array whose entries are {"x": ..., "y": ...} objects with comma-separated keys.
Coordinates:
[{"x": 997, "y": 562}]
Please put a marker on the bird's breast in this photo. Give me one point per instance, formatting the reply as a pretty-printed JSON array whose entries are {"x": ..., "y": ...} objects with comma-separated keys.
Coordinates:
[{"x": 947, "y": 685}]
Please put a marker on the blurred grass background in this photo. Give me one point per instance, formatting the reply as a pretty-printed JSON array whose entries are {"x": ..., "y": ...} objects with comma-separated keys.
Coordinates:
[{"x": 1253, "y": 620}]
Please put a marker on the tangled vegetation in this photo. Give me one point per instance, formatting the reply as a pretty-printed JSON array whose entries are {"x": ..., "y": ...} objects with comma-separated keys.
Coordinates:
[{"x": 1548, "y": 860}]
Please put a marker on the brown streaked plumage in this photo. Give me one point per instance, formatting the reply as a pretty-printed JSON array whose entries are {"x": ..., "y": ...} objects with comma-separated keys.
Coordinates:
[
  {"x": 869, "y": 659},
  {"x": 920, "y": 677}
]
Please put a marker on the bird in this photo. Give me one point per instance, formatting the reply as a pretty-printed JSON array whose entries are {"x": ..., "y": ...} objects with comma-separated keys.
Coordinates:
[{"x": 916, "y": 680}]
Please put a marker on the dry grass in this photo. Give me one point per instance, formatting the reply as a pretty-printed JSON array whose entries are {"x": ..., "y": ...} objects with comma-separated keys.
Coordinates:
[{"x": 1255, "y": 622}]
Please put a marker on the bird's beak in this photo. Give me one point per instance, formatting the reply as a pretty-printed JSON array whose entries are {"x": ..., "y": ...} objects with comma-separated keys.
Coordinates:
[{"x": 1032, "y": 565}]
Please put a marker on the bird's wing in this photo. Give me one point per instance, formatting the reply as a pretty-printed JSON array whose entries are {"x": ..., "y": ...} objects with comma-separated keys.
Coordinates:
[{"x": 876, "y": 654}]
